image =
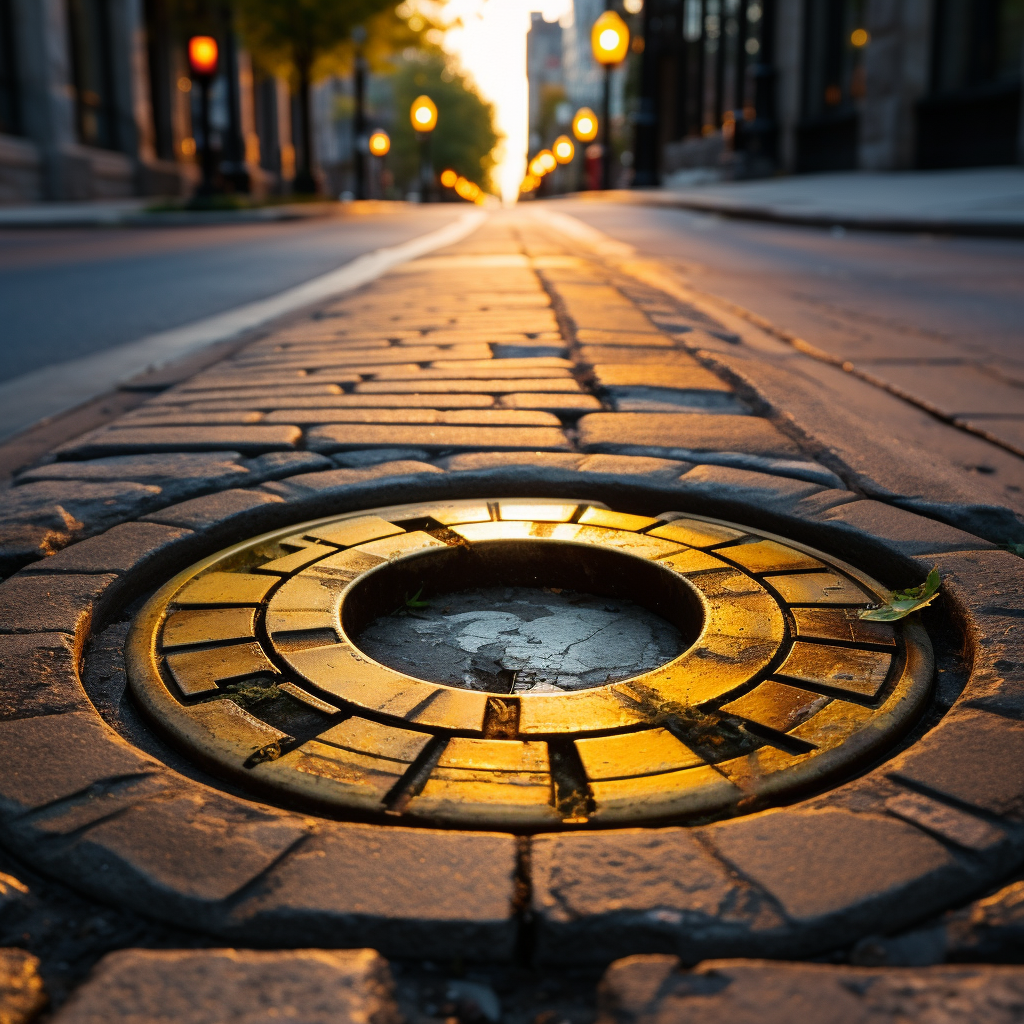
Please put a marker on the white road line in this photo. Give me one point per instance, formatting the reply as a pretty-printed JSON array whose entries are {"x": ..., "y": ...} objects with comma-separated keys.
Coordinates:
[{"x": 52, "y": 390}]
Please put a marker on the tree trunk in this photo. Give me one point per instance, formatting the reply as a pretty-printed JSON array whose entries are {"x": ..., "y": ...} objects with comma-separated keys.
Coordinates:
[{"x": 305, "y": 183}]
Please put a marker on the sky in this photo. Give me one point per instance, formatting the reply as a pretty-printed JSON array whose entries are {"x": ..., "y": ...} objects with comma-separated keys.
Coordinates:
[{"x": 491, "y": 46}]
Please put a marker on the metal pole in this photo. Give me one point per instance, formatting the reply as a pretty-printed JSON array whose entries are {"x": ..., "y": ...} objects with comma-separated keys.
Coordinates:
[
  {"x": 206, "y": 185},
  {"x": 606, "y": 134},
  {"x": 359, "y": 125},
  {"x": 645, "y": 140}
]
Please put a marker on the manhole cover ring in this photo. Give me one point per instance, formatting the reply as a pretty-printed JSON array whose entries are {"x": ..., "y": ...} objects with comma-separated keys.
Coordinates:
[{"x": 783, "y": 687}]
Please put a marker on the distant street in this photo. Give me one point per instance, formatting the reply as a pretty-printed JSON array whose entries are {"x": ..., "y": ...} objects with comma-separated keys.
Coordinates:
[{"x": 71, "y": 293}]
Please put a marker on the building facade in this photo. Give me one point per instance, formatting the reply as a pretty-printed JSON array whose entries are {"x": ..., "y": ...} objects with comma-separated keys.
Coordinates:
[
  {"x": 750, "y": 87},
  {"x": 96, "y": 102}
]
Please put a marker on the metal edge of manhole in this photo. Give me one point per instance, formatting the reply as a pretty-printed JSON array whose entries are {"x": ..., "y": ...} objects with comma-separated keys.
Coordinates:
[{"x": 783, "y": 689}]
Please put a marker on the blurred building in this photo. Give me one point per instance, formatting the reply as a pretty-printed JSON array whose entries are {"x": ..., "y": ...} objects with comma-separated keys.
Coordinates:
[
  {"x": 546, "y": 79},
  {"x": 748, "y": 87},
  {"x": 96, "y": 103}
]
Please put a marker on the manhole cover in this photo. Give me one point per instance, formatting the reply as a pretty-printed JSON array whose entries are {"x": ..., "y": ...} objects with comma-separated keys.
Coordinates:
[{"x": 526, "y": 664}]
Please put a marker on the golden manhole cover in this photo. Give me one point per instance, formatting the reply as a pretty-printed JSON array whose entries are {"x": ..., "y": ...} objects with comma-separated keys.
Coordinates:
[{"x": 770, "y": 683}]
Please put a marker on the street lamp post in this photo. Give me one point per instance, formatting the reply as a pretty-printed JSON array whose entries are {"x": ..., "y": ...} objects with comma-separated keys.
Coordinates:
[
  {"x": 359, "y": 116},
  {"x": 609, "y": 39},
  {"x": 585, "y": 127},
  {"x": 423, "y": 114},
  {"x": 202, "y": 59},
  {"x": 379, "y": 145}
]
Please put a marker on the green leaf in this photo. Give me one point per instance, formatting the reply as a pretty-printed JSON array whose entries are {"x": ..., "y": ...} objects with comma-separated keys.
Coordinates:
[
  {"x": 415, "y": 602},
  {"x": 903, "y": 602}
]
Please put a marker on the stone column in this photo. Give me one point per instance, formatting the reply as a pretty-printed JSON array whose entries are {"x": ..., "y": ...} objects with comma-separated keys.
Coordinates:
[
  {"x": 789, "y": 53},
  {"x": 47, "y": 96},
  {"x": 896, "y": 66}
]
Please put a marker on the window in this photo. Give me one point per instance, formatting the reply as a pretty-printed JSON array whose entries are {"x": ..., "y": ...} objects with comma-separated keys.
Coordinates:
[
  {"x": 10, "y": 112},
  {"x": 92, "y": 72},
  {"x": 977, "y": 43}
]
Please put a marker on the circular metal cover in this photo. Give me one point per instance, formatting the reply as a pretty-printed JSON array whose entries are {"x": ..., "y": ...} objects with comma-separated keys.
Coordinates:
[{"x": 248, "y": 662}]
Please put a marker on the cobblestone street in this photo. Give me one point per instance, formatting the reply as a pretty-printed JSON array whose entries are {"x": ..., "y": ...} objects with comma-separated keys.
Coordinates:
[{"x": 234, "y": 789}]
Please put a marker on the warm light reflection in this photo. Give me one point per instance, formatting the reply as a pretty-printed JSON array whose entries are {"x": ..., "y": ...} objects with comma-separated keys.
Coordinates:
[
  {"x": 448, "y": 178},
  {"x": 202, "y": 55},
  {"x": 379, "y": 143},
  {"x": 423, "y": 114},
  {"x": 563, "y": 149},
  {"x": 584, "y": 125},
  {"x": 609, "y": 39}
]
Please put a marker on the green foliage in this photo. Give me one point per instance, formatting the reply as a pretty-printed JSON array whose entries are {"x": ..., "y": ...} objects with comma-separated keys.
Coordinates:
[
  {"x": 464, "y": 138},
  {"x": 903, "y": 602},
  {"x": 291, "y": 35}
]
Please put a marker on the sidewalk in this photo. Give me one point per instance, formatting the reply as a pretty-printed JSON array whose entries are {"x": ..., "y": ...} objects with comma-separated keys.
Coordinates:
[
  {"x": 529, "y": 383},
  {"x": 981, "y": 201},
  {"x": 140, "y": 213}
]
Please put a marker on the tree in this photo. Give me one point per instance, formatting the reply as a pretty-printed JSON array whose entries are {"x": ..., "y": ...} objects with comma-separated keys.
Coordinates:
[
  {"x": 465, "y": 137},
  {"x": 296, "y": 36}
]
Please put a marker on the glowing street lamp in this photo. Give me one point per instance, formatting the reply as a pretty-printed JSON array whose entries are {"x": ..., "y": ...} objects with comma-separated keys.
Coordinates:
[
  {"x": 609, "y": 40},
  {"x": 547, "y": 160},
  {"x": 202, "y": 60},
  {"x": 563, "y": 149},
  {"x": 379, "y": 143},
  {"x": 584, "y": 125},
  {"x": 449, "y": 178},
  {"x": 423, "y": 115}
]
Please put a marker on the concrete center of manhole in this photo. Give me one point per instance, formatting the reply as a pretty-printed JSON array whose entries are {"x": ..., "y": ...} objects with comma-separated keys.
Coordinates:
[
  {"x": 521, "y": 639},
  {"x": 526, "y": 664}
]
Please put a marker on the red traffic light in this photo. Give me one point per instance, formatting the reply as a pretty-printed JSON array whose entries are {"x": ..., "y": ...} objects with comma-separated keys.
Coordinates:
[{"x": 202, "y": 55}]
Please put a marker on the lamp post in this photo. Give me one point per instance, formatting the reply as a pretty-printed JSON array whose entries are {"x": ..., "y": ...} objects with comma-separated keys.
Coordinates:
[
  {"x": 423, "y": 114},
  {"x": 585, "y": 127},
  {"x": 609, "y": 39},
  {"x": 202, "y": 60},
  {"x": 359, "y": 116},
  {"x": 563, "y": 151},
  {"x": 379, "y": 145}
]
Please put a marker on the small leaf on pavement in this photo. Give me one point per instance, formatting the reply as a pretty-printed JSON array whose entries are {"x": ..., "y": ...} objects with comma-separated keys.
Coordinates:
[{"x": 903, "y": 602}]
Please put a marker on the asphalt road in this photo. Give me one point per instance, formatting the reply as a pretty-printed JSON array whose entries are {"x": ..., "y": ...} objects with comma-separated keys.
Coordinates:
[
  {"x": 68, "y": 293},
  {"x": 940, "y": 320}
]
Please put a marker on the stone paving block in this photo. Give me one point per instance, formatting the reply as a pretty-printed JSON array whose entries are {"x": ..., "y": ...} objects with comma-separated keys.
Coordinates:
[
  {"x": 634, "y": 466},
  {"x": 145, "y": 547},
  {"x": 488, "y": 387},
  {"x": 665, "y": 375},
  {"x": 987, "y": 587},
  {"x": 233, "y": 511},
  {"x": 639, "y": 339},
  {"x": 600, "y": 895},
  {"x": 835, "y": 873},
  {"x": 233, "y": 986},
  {"x": 656, "y": 990},
  {"x": 376, "y": 456},
  {"x": 155, "y": 846},
  {"x": 249, "y": 439},
  {"x": 53, "y": 757},
  {"x": 651, "y": 357},
  {"x": 435, "y": 437},
  {"x": 493, "y": 371},
  {"x": 39, "y": 676},
  {"x": 449, "y": 417},
  {"x": 900, "y": 530},
  {"x": 675, "y": 400},
  {"x": 683, "y": 433},
  {"x": 22, "y": 995},
  {"x": 988, "y": 929},
  {"x": 473, "y": 461},
  {"x": 51, "y": 604},
  {"x": 360, "y": 484},
  {"x": 406, "y": 892},
  {"x": 38, "y": 519},
  {"x": 968, "y": 757},
  {"x": 568, "y": 404}
]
